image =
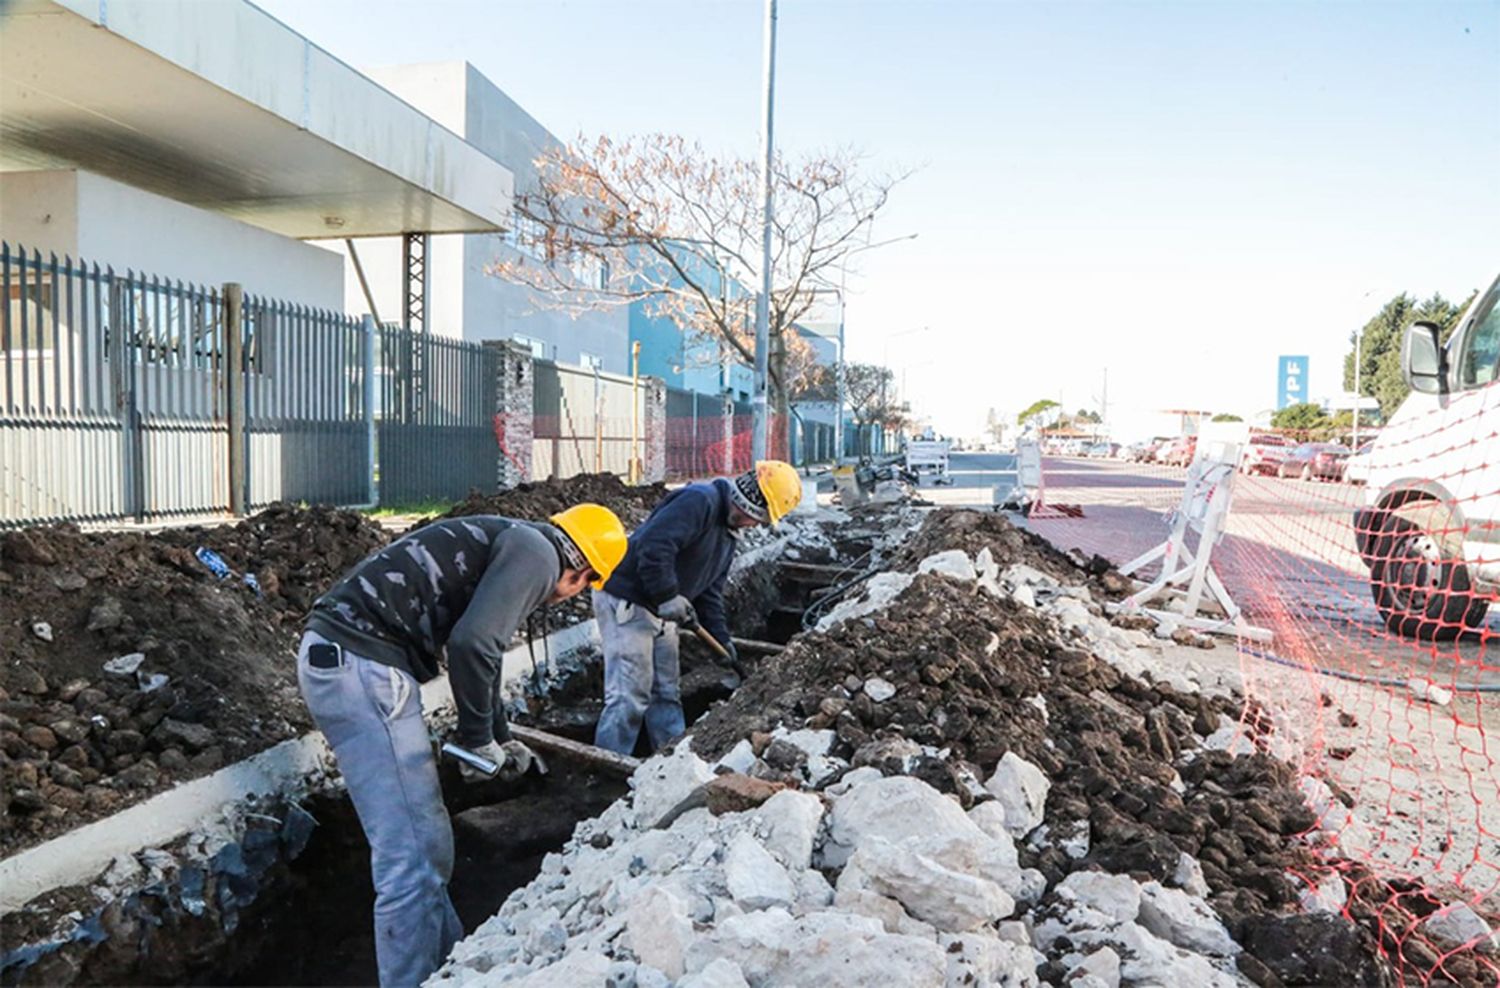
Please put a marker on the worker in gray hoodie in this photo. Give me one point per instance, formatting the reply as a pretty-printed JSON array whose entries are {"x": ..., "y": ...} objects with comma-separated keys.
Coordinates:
[{"x": 459, "y": 587}]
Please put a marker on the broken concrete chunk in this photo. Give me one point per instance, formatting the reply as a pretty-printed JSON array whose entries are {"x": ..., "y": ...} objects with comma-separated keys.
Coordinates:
[
  {"x": 952, "y": 563},
  {"x": 1189, "y": 876},
  {"x": 879, "y": 690},
  {"x": 896, "y": 808},
  {"x": 582, "y": 968},
  {"x": 1184, "y": 920},
  {"x": 1117, "y": 897},
  {"x": 1329, "y": 896},
  {"x": 819, "y": 950},
  {"x": 664, "y": 781},
  {"x": 754, "y": 878},
  {"x": 1021, "y": 789},
  {"x": 42, "y": 630},
  {"x": 790, "y": 822},
  {"x": 106, "y": 615},
  {"x": 125, "y": 665},
  {"x": 1426, "y": 690},
  {"x": 948, "y": 899},
  {"x": 982, "y": 959},
  {"x": 721, "y": 973},
  {"x": 1103, "y": 964},
  {"x": 1149, "y": 960},
  {"x": 658, "y": 930},
  {"x": 1458, "y": 923},
  {"x": 739, "y": 758}
]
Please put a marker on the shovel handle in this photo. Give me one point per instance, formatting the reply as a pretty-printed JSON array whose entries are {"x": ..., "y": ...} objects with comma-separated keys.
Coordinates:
[{"x": 710, "y": 641}]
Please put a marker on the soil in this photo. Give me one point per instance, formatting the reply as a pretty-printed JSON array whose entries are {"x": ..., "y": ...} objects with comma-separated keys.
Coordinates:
[
  {"x": 542, "y": 499},
  {"x": 78, "y": 742},
  {"x": 967, "y": 669},
  {"x": 971, "y": 531}
]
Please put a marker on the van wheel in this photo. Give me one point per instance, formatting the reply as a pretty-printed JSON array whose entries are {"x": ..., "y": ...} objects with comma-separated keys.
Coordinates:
[
  {"x": 1420, "y": 594},
  {"x": 1307, "y": 473}
]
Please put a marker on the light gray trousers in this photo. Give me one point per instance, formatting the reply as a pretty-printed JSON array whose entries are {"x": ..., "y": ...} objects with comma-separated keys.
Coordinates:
[
  {"x": 371, "y": 715},
  {"x": 641, "y": 671}
]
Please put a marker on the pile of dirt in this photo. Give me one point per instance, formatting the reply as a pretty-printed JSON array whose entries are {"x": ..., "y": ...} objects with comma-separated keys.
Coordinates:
[
  {"x": 971, "y": 531},
  {"x": 951, "y": 668},
  {"x": 541, "y": 500},
  {"x": 130, "y": 666}
]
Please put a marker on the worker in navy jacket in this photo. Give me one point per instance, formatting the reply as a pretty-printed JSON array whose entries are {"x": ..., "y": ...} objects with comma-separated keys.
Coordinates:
[{"x": 673, "y": 576}]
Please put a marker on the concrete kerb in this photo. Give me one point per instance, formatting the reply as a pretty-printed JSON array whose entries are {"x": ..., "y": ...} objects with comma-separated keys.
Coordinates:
[{"x": 294, "y": 767}]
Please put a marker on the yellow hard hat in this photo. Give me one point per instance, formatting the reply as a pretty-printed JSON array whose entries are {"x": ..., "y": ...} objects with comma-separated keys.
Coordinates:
[
  {"x": 598, "y": 534},
  {"x": 781, "y": 486}
]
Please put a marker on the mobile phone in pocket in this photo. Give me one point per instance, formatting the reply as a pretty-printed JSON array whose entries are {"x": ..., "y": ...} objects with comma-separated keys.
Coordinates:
[{"x": 325, "y": 655}]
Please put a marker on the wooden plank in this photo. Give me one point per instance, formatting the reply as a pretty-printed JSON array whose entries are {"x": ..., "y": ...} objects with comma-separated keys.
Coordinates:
[{"x": 609, "y": 761}]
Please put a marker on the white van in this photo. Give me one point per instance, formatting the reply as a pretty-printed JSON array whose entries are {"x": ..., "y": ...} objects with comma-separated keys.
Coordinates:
[{"x": 1430, "y": 528}]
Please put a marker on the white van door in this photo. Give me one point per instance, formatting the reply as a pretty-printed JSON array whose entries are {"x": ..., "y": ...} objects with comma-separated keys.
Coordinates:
[{"x": 1474, "y": 411}]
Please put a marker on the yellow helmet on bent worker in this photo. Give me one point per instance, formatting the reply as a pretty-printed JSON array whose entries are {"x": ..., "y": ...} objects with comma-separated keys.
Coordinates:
[
  {"x": 598, "y": 534},
  {"x": 780, "y": 486}
]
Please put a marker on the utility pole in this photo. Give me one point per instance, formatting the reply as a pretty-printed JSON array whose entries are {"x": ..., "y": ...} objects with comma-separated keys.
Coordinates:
[
  {"x": 1104, "y": 405},
  {"x": 1355, "y": 439},
  {"x": 758, "y": 438}
]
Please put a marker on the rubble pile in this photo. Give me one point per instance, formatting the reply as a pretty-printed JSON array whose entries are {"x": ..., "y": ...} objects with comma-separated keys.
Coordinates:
[{"x": 981, "y": 780}]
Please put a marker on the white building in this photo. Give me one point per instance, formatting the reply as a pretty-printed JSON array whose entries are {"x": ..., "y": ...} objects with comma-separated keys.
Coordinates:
[
  {"x": 463, "y": 299},
  {"x": 206, "y": 141}
]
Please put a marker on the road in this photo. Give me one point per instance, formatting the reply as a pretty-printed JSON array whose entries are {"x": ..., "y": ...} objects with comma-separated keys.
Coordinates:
[{"x": 1287, "y": 558}]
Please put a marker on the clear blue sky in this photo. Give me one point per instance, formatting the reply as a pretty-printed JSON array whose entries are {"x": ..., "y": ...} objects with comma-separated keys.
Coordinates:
[{"x": 1176, "y": 191}]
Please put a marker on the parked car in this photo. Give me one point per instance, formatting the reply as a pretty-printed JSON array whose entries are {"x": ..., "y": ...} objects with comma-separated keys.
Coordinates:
[
  {"x": 1429, "y": 530},
  {"x": 1357, "y": 467},
  {"x": 1178, "y": 452},
  {"x": 1314, "y": 461},
  {"x": 1102, "y": 451},
  {"x": 1265, "y": 453}
]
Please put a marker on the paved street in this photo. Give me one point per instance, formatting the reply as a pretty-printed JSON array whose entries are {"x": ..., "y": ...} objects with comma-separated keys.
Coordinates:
[{"x": 1288, "y": 557}]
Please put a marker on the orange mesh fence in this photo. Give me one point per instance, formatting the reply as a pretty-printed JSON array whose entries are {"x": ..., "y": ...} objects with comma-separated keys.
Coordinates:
[
  {"x": 1377, "y": 576},
  {"x": 701, "y": 447}
]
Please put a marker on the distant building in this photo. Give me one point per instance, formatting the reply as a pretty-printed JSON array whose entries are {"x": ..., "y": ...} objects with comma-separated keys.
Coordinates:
[
  {"x": 463, "y": 299},
  {"x": 284, "y": 147}
]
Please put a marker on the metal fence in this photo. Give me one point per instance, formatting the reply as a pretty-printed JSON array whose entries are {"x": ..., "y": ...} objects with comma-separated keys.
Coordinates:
[
  {"x": 584, "y": 421},
  {"x": 436, "y": 413},
  {"x": 119, "y": 391}
]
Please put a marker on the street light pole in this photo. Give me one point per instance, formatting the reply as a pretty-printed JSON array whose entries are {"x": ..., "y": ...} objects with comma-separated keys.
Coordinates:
[
  {"x": 1355, "y": 440},
  {"x": 758, "y": 438}
]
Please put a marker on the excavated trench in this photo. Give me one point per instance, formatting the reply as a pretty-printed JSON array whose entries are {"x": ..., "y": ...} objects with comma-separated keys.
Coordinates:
[{"x": 310, "y": 922}]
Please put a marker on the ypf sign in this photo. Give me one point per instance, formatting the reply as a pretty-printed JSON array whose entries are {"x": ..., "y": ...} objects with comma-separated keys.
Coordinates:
[{"x": 1291, "y": 380}]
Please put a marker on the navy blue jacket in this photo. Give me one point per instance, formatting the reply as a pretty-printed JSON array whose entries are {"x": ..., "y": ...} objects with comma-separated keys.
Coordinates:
[{"x": 685, "y": 548}]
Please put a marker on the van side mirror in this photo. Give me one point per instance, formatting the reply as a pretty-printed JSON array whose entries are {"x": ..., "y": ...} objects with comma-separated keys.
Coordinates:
[{"x": 1424, "y": 362}]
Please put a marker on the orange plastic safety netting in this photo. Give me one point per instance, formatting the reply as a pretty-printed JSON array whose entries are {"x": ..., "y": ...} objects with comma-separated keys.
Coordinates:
[{"x": 1374, "y": 575}]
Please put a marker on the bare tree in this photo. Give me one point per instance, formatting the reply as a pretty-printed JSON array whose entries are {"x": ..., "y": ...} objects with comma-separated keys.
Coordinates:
[
  {"x": 867, "y": 388},
  {"x": 658, "y": 219}
]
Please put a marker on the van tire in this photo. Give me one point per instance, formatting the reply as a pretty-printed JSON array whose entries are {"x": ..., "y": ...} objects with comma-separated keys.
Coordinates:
[{"x": 1420, "y": 594}]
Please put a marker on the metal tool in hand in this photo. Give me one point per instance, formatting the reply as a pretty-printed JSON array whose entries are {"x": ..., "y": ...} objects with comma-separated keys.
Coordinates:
[{"x": 477, "y": 762}]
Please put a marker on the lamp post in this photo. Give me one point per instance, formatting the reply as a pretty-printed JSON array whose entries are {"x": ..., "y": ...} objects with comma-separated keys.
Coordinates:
[{"x": 760, "y": 432}]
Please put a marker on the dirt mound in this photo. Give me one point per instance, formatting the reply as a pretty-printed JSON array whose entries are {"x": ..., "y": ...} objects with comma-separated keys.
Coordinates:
[
  {"x": 540, "y": 500},
  {"x": 952, "y": 668},
  {"x": 971, "y": 531},
  {"x": 202, "y": 673}
]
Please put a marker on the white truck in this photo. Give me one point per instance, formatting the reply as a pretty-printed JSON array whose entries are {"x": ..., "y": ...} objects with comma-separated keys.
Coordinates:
[
  {"x": 929, "y": 456},
  {"x": 1429, "y": 530}
]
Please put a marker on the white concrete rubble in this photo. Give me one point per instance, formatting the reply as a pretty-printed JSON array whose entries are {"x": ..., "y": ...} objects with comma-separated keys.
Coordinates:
[
  {"x": 1021, "y": 789},
  {"x": 754, "y": 878},
  {"x": 1458, "y": 923},
  {"x": 1185, "y": 921}
]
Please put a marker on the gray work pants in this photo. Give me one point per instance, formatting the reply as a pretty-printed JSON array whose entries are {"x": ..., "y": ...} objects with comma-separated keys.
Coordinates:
[
  {"x": 371, "y": 715},
  {"x": 641, "y": 673}
]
